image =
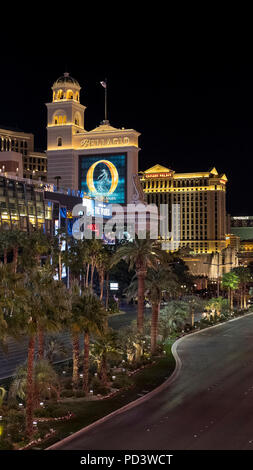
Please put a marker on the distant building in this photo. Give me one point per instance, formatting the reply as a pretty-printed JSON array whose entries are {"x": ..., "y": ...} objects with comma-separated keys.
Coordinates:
[
  {"x": 242, "y": 228},
  {"x": 34, "y": 163}
]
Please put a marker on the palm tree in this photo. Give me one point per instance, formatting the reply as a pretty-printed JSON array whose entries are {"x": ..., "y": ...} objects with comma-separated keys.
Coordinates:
[
  {"x": 217, "y": 305},
  {"x": 173, "y": 316},
  {"x": 103, "y": 265},
  {"x": 104, "y": 348},
  {"x": 17, "y": 240},
  {"x": 12, "y": 298},
  {"x": 4, "y": 244},
  {"x": 55, "y": 348},
  {"x": 42, "y": 312},
  {"x": 90, "y": 317},
  {"x": 46, "y": 382},
  {"x": 244, "y": 278},
  {"x": 141, "y": 254},
  {"x": 230, "y": 281},
  {"x": 197, "y": 305},
  {"x": 94, "y": 248},
  {"x": 34, "y": 246},
  {"x": 158, "y": 284}
]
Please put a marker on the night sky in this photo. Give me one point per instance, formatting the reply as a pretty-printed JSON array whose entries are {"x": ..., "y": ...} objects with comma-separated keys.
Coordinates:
[{"x": 193, "y": 111}]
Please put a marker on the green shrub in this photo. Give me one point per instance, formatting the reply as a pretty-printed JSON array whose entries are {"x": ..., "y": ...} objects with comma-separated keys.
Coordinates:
[
  {"x": 122, "y": 381},
  {"x": 6, "y": 444},
  {"x": 67, "y": 393},
  {"x": 79, "y": 394},
  {"x": 98, "y": 388}
]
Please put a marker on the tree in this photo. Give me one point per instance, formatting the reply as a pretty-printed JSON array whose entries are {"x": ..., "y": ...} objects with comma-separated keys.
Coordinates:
[
  {"x": 35, "y": 245},
  {"x": 17, "y": 239},
  {"x": 230, "y": 281},
  {"x": 245, "y": 277},
  {"x": 46, "y": 382},
  {"x": 158, "y": 284},
  {"x": 89, "y": 318},
  {"x": 173, "y": 316},
  {"x": 103, "y": 265},
  {"x": 4, "y": 244},
  {"x": 197, "y": 305},
  {"x": 140, "y": 254},
  {"x": 104, "y": 348},
  {"x": 12, "y": 300},
  {"x": 55, "y": 348},
  {"x": 42, "y": 311},
  {"x": 217, "y": 305},
  {"x": 94, "y": 249}
]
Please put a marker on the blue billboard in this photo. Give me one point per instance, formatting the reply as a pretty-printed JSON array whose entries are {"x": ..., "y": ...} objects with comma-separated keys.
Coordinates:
[{"x": 104, "y": 176}]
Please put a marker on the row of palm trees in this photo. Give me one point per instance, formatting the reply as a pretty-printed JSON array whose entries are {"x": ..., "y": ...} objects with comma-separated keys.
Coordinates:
[{"x": 237, "y": 280}]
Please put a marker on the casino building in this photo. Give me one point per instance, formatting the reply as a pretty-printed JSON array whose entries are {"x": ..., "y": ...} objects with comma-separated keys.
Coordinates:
[
  {"x": 204, "y": 242},
  {"x": 101, "y": 162},
  {"x": 33, "y": 164},
  {"x": 202, "y": 199}
]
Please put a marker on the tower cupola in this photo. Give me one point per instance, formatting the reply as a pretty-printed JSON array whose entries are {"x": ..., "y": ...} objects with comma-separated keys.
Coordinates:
[{"x": 66, "y": 88}]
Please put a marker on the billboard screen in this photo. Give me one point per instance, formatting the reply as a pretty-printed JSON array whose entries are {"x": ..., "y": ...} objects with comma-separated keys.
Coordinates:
[{"x": 104, "y": 176}]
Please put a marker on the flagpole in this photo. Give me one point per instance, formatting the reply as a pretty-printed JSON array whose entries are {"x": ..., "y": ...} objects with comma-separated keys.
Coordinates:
[{"x": 106, "y": 99}]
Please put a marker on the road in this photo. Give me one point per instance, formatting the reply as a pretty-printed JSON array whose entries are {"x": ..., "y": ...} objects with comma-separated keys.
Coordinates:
[{"x": 208, "y": 406}]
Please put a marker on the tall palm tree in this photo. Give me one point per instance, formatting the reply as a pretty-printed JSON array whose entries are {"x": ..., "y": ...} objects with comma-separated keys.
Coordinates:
[
  {"x": 103, "y": 265},
  {"x": 41, "y": 312},
  {"x": 12, "y": 298},
  {"x": 90, "y": 316},
  {"x": 94, "y": 248},
  {"x": 231, "y": 282},
  {"x": 4, "y": 244},
  {"x": 17, "y": 241},
  {"x": 158, "y": 285},
  {"x": 244, "y": 278},
  {"x": 35, "y": 245},
  {"x": 140, "y": 254}
]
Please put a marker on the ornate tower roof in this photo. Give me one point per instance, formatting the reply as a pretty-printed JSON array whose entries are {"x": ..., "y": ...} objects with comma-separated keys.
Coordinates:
[{"x": 66, "y": 80}]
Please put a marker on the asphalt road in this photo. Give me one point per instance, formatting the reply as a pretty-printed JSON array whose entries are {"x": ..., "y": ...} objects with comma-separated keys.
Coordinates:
[{"x": 209, "y": 406}]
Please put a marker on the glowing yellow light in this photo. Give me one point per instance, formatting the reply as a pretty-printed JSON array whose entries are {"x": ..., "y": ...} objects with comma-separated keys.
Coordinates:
[{"x": 114, "y": 176}]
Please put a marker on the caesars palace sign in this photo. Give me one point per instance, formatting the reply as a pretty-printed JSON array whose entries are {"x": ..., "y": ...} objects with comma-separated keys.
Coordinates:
[{"x": 116, "y": 141}]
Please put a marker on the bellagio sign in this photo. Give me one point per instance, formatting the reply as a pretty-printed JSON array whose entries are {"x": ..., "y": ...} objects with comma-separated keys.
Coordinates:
[{"x": 116, "y": 141}]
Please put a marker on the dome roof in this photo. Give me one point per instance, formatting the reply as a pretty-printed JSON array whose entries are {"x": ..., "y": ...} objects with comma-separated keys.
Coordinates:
[{"x": 66, "y": 79}]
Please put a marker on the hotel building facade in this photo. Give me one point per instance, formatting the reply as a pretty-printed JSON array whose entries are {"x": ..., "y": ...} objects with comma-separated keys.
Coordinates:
[
  {"x": 87, "y": 160},
  {"x": 202, "y": 200},
  {"x": 34, "y": 163}
]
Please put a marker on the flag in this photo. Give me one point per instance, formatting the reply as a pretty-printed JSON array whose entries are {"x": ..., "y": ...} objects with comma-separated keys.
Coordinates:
[{"x": 103, "y": 84}]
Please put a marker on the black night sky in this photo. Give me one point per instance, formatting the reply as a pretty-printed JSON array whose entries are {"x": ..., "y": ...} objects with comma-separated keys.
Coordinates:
[{"x": 194, "y": 111}]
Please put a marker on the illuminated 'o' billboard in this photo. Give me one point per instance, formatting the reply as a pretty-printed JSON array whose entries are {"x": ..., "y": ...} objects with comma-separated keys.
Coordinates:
[{"x": 104, "y": 176}]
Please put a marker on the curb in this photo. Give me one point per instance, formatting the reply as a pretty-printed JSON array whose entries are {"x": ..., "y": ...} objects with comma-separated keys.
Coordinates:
[{"x": 149, "y": 395}]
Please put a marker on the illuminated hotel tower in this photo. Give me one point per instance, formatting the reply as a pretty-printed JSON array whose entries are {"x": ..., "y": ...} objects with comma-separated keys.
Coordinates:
[
  {"x": 101, "y": 162},
  {"x": 202, "y": 199}
]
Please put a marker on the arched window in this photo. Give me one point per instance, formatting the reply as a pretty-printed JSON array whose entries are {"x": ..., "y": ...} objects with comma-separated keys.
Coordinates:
[
  {"x": 60, "y": 95},
  {"x": 70, "y": 95},
  {"x": 77, "y": 96},
  {"x": 59, "y": 141},
  {"x": 59, "y": 118},
  {"x": 77, "y": 119}
]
